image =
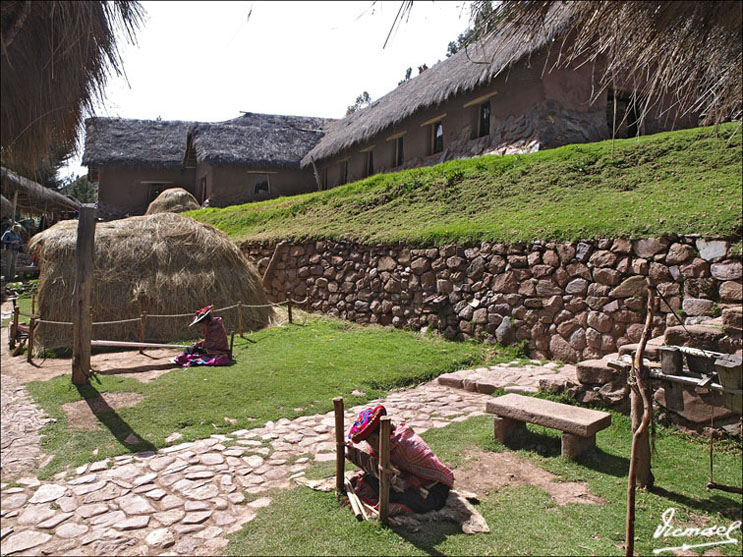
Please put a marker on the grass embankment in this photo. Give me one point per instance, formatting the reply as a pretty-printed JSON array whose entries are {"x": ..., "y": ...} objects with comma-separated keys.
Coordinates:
[
  {"x": 285, "y": 371},
  {"x": 677, "y": 182},
  {"x": 523, "y": 520}
]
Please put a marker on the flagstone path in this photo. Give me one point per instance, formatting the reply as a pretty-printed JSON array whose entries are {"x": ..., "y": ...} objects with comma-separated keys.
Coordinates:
[{"x": 184, "y": 499}]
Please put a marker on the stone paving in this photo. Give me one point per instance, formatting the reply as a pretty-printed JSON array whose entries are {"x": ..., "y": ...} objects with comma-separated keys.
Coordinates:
[
  {"x": 20, "y": 425},
  {"x": 184, "y": 499}
]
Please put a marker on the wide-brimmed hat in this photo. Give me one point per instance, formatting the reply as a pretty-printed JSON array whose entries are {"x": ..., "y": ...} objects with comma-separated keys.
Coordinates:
[
  {"x": 366, "y": 423},
  {"x": 201, "y": 314}
]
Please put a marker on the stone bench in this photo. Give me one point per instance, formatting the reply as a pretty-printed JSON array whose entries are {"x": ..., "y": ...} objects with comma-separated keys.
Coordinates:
[{"x": 578, "y": 425}]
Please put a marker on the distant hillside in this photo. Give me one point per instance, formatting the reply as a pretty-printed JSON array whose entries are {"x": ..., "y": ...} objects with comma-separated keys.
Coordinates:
[{"x": 684, "y": 182}]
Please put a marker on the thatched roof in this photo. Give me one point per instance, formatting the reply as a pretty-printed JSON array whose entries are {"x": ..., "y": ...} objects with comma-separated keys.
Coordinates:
[
  {"x": 55, "y": 58},
  {"x": 123, "y": 142},
  {"x": 469, "y": 68},
  {"x": 687, "y": 53},
  {"x": 173, "y": 200},
  {"x": 161, "y": 264},
  {"x": 258, "y": 140},
  {"x": 32, "y": 197}
]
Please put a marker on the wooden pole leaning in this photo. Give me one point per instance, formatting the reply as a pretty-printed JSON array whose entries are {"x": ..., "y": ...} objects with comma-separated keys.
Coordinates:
[
  {"x": 81, "y": 294},
  {"x": 31, "y": 330},
  {"x": 340, "y": 447},
  {"x": 384, "y": 465},
  {"x": 289, "y": 305},
  {"x": 142, "y": 322}
]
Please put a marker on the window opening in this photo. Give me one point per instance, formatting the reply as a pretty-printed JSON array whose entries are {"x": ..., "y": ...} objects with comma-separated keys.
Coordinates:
[
  {"x": 261, "y": 184},
  {"x": 484, "y": 126},
  {"x": 627, "y": 119},
  {"x": 154, "y": 190},
  {"x": 344, "y": 172},
  {"x": 370, "y": 163},
  {"x": 437, "y": 129},
  {"x": 399, "y": 152}
]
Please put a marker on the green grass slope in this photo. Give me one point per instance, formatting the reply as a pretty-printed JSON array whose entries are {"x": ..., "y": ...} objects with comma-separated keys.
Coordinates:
[{"x": 676, "y": 182}]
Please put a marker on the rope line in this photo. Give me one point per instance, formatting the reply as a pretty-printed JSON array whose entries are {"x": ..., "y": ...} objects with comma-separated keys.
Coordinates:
[{"x": 136, "y": 319}]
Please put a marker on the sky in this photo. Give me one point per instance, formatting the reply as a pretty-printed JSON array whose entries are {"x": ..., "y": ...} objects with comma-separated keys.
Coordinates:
[{"x": 208, "y": 61}]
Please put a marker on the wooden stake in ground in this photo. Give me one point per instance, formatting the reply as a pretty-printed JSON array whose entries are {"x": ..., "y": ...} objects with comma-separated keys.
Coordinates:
[
  {"x": 340, "y": 447},
  {"x": 81, "y": 293},
  {"x": 642, "y": 413},
  {"x": 384, "y": 466}
]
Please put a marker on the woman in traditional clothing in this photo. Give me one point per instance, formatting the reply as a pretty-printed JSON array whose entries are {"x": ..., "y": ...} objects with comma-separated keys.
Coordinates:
[
  {"x": 421, "y": 482},
  {"x": 214, "y": 349}
]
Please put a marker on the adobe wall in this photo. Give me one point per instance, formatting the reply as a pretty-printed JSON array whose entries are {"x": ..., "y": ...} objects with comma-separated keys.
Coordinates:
[
  {"x": 121, "y": 191},
  {"x": 232, "y": 185},
  {"x": 569, "y": 301}
]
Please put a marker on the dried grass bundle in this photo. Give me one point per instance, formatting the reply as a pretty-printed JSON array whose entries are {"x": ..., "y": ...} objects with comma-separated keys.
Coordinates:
[
  {"x": 159, "y": 264},
  {"x": 56, "y": 58},
  {"x": 173, "y": 200}
]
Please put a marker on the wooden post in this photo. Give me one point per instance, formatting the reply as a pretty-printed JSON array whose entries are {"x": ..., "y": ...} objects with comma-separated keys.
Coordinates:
[
  {"x": 31, "y": 330},
  {"x": 240, "y": 317},
  {"x": 384, "y": 478},
  {"x": 33, "y": 304},
  {"x": 289, "y": 305},
  {"x": 81, "y": 294},
  {"x": 340, "y": 447},
  {"x": 142, "y": 318},
  {"x": 14, "y": 327}
]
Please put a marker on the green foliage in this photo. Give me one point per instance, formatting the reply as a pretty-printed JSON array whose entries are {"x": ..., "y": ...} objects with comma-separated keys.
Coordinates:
[
  {"x": 676, "y": 182},
  {"x": 81, "y": 189},
  {"x": 362, "y": 101},
  {"x": 523, "y": 520},
  {"x": 285, "y": 371}
]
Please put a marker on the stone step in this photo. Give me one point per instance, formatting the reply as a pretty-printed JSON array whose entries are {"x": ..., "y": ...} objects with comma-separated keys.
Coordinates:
[
  {"x": 598, "y": 372},
  {"x": 651, "y": 348},
  {"x": 708, "y": 336}
]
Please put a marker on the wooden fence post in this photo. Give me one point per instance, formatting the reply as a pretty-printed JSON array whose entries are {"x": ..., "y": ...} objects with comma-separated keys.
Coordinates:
[
  {"x": 240, "y": 318},
  {"x": 289, "y": 305},
  {"x": 81, "y": 294},
  {"x": 33, "y": 304},
  {"x": 384, "y": 477},
  {"x": 340, "y": 447},
  {"x": 14, "y": 327},
  {"x": 142, "y": 318},
  {"x": 31, "y": 330}
]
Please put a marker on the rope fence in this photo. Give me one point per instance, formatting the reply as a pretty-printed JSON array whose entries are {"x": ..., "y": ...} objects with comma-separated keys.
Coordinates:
[{"x": 39, "y": 320}]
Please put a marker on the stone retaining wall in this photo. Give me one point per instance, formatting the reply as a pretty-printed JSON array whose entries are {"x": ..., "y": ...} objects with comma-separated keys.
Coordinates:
[{"x": 570, "y": 301}]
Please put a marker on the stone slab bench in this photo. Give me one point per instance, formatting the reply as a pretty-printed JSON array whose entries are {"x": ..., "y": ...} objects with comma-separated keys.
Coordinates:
[{"x": 578, "y": 425}]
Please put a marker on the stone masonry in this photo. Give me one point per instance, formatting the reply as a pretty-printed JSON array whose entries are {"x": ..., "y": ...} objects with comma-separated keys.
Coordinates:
[{"x": 569, "y": 301}]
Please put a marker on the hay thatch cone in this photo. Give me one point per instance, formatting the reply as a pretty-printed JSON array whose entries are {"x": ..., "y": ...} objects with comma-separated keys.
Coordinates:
[
  {"x": 173, "y": 200},
  {"x": 160, "y": 264}
]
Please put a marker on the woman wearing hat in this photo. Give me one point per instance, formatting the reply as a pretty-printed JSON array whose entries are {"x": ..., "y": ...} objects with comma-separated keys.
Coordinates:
[
  {"x": 422, "y": 482},
  {"x": 213, "y": 350}
]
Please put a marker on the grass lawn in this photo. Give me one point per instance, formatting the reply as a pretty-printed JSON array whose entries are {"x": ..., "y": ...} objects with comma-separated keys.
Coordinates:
[
  {"x": 679, "y": 182},
  {"x": 285, "y": 371},
  {"x": 522, "y": 520}
]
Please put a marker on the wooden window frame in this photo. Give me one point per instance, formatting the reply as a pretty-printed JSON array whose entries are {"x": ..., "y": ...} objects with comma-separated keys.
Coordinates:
[
  {"x": 398, "y": 152},
  {"x": 344, "y": 172},
  {"x": 370, "y": 162}
]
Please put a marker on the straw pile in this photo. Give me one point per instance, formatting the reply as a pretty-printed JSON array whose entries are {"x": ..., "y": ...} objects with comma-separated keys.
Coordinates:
[
  {"x": 159, "y": 264},
  {"x": 173, "y": 200}
]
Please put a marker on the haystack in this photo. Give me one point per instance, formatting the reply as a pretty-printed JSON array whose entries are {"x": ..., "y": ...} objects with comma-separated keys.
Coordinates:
[
  {"x": 173, "y": 200},
  {"x": 160, "y": 264}
]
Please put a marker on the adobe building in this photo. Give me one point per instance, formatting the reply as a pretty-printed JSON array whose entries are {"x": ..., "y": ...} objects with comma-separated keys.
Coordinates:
[
  {"x": 499, "y": 96},
  {"x": 250, "y": 158}
]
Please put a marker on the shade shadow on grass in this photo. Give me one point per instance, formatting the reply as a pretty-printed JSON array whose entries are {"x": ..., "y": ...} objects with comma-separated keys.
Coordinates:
[
  {"x": 430, "y": 535},
  {"x": 118, "y": 427},
  {"x": 713, "y": 504}
]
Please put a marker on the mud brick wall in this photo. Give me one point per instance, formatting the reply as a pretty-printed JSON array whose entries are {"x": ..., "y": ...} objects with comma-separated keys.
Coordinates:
[{"x": 569, "y": 301}]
